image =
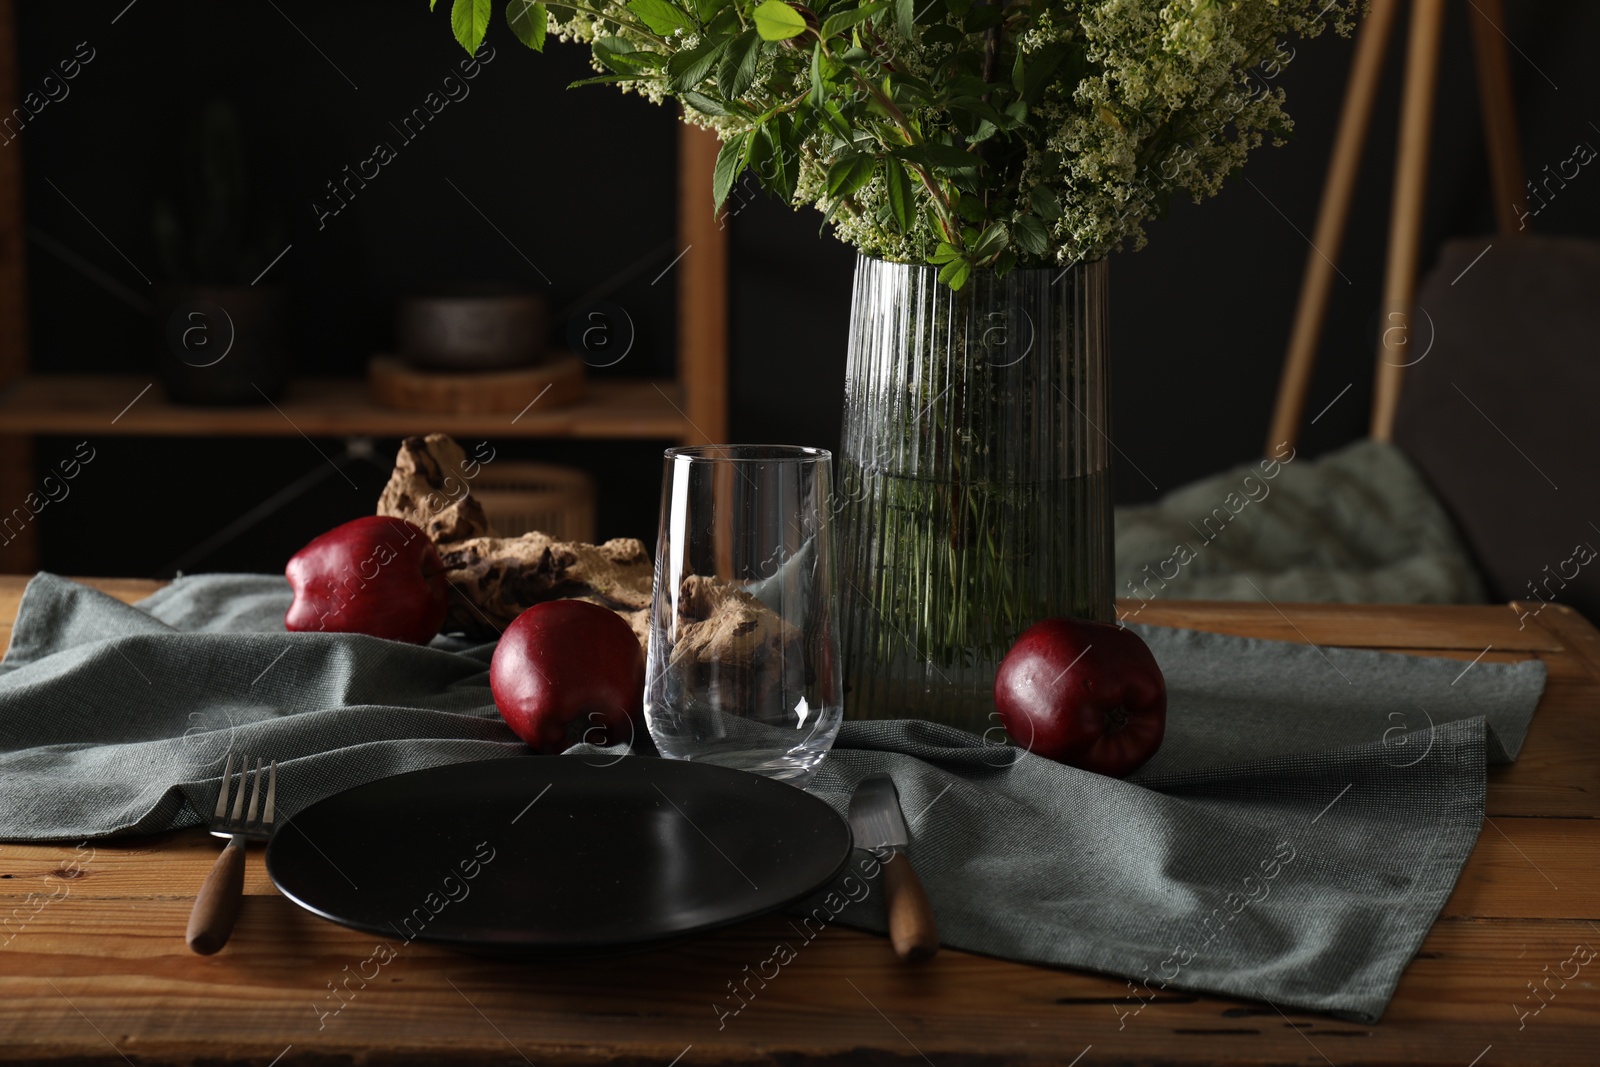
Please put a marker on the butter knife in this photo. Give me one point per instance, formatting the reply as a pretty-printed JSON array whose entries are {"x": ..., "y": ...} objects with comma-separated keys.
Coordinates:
[{"x": 877, "y": 823}]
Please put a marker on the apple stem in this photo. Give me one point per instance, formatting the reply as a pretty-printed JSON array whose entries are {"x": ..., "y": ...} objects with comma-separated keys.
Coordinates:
[{"x": 1116, "y": 719}]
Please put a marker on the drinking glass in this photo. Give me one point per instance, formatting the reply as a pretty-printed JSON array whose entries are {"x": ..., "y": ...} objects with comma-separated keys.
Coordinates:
[{"x": 743, "y": 668}]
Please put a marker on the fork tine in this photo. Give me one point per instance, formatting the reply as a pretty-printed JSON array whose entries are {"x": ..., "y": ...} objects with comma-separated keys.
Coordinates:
[
  {"x": 222, "y": 791},
  {"x": 238, "y": 800},
  {"x": 253, "y": 809},
  {"x": 272, "y": 794}
]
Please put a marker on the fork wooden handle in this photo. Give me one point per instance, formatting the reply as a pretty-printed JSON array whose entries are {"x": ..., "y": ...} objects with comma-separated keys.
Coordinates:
[
  {"x": 217, "y": 906},
  {"x": 911, "y": 927}
]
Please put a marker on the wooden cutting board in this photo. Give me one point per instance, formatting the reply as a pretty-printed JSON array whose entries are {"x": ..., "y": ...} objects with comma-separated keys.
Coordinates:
[{"x": 396, "y": 384}]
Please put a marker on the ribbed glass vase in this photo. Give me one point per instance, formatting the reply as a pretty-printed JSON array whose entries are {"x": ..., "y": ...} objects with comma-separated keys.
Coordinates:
[{"x": 974, "y": 479}]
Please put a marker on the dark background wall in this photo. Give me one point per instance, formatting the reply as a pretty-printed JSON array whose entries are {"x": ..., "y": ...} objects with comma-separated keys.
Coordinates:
[{"x": 581, "y": 182}]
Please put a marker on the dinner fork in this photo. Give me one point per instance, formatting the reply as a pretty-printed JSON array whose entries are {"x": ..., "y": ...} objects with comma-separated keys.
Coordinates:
[{"x": 211, "y": 921}]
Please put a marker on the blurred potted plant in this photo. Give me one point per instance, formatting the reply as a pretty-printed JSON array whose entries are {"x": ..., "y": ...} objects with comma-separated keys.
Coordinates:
[
  {"x": 224, "y": 337},
  {"x": 984, "y": 158}
]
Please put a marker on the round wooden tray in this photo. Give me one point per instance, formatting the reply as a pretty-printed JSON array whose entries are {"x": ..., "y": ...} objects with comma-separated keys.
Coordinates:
[{"x": 395, "y": 384}]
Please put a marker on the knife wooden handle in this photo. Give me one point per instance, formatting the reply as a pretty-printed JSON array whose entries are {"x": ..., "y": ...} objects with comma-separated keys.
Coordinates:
[
  {"x": 211, "y": 921},
  {"x": 911, "y": 927}
]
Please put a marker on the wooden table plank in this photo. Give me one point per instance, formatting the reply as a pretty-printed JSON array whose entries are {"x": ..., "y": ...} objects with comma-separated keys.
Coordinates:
[
  {"x": 93, "y": 967},
  {"x": 842, "y": 995},
  {"x": 1571, "y": 628},
  {"x": 1556, "y": 774},
  {"x": 1386, "y": 626}
]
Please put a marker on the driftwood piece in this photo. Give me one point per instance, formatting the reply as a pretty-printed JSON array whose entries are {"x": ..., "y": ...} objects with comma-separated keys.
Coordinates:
[
  {"x": 432, "y": 487},
  {"x": 735, "y": 650},
  {"x": 498, "y": 578},
  {"x": 716, "y": 619},
  {"x": 728, "y": 635}
]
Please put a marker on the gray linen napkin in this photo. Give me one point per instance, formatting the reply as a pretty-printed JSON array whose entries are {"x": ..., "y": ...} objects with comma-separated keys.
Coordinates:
[{"x": 1294, "y": 840}]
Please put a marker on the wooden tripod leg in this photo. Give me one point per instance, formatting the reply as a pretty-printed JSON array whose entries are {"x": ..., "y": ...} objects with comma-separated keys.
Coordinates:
[
  {"x": 1487, "y": 19},
  {"x": 1405, "y": 218},
  {"x": 1365, "y": 73}
]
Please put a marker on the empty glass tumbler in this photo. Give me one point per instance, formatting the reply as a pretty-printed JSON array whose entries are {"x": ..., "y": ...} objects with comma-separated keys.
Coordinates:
[{"x": 743, "y": 668}]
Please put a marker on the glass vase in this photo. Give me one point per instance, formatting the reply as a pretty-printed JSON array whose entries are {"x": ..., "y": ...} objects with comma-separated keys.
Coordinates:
[{"x": 974, "y": 479}]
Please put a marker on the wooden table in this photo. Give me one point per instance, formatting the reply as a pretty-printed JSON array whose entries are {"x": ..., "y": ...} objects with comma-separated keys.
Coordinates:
[{"x": 101, "y": 975}]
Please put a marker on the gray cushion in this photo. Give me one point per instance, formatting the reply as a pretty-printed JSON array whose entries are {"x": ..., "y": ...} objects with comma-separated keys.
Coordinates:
[{"x": 1358, "y": 525}]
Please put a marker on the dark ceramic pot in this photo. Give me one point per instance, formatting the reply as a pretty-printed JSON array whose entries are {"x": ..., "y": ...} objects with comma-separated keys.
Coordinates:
[
  {"x": 472, "y": 328},
  {"x": 223, "y": 346}
]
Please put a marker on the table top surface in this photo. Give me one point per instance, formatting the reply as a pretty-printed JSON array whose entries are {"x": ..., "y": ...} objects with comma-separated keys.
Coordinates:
[{"x": 93, "y": 966}]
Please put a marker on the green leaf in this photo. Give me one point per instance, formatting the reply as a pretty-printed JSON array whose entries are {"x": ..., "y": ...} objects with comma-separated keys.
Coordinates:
[
  {"x": 941, "y": 156},
  {"x": 945, "y": 253},
  {"x": 1045, "y": 204},
  {"x": 1031, "y": 235},
  {"x": 604, "y": 79},
  {"x": 970, "y": 208},
  {"x": 848, "y": 174},
  {"x": 661, "y": 16},
  {"x": 901, "y": 199},
  {"x": 975, "y": 105},
  {"x": 1036, "y": 75},
  {"x": 738, "y": 68},
  {"x": 819, "y": 87},
  {"x": 727, "y": 168},
  {"x": 993, "y": 240},
  {"x": 528, "y": 19},
  {"x": 687, "y": 69},
  {"x": 837, "y": 24},
  {"x": 619, "y": 55},
  {"x": 753, "y": 146},
  {"x": 905, "y": 18},
  {"x": 724, "y": 19},
  {"x": 836, "y": 121},
  {"x": 774, "y": 155},
  {"x": 786, "y": 154},
  {"x": 970, "y": 85},
  {"x": 469, "y": 19},
  {"x": 955, "y": 273},
  {"x": 777, "y": 21},
  {"x": 908, "y": 89},
  {"x": 702, "y": 103},
  {"x": 758, "y": 156},
  {"x": 707, "y": 9}
]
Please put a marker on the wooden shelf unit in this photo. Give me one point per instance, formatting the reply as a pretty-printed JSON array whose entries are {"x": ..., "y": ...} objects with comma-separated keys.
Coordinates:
[
  {"x": 689, "y": 409},
  {"x": 331, "y": 407}
]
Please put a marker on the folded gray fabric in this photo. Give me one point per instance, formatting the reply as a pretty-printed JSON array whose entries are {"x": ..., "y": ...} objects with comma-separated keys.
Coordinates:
[{"x": 1293, "y": 841}]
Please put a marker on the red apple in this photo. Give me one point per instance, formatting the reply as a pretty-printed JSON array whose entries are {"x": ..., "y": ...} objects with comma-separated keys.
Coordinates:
[
  {"x": 1088, "y": 694},
  {"x": 375, "y": 575},
  {"x": 567, "y": 671}
]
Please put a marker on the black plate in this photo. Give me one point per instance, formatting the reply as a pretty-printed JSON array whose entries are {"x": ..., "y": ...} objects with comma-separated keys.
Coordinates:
[{"x": 552, "y": 855}]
